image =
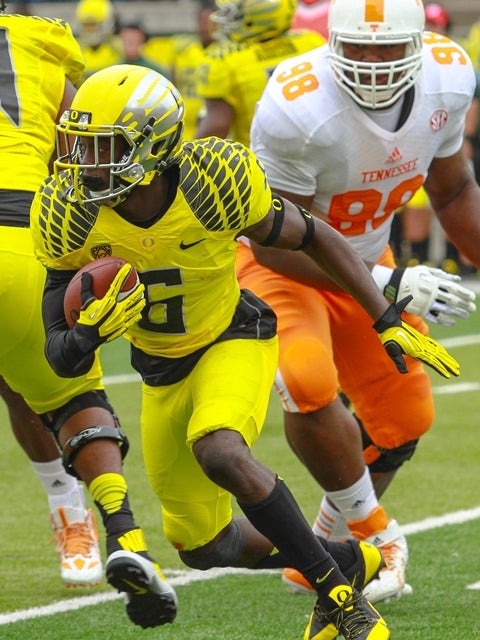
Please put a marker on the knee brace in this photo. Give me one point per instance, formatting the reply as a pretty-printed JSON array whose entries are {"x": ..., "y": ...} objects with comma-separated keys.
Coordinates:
[
  {"x": 226, "y": 552},
  {"x": 83, "y": 437},
  {"x": 380, "y": 460}
]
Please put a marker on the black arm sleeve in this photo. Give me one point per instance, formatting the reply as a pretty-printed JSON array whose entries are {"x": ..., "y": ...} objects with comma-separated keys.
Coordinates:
[{"x": 62, "y": 348}]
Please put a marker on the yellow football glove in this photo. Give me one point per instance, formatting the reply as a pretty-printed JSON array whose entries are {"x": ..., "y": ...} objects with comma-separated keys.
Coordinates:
[
  {"x": 104, "y": 319},
  {"x": 400, "y": 338}
]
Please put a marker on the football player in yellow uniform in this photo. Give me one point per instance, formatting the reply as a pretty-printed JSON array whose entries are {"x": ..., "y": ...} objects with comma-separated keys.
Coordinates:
[
  {"x": 40, "y": 61},
  {"x": 206, "y": 350},
  {"x": 189, "y": 50},
  {"x": 253, "y": 37},
  {"x": 101, "y": 47}
]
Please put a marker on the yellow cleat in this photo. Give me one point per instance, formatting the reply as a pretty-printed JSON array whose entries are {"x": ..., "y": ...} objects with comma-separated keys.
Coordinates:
[{"x": 355, "y": 618}]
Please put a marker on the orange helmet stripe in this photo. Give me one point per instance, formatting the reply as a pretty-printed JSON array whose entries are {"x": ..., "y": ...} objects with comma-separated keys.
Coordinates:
[{"x": 374, "y": 11}]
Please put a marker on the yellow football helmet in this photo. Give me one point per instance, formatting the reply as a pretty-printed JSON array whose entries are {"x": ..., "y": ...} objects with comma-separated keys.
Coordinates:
[
  {"x": 252, "y": 20},
  {"x": 96, "y": 21},
  {"x": 124, "y": 103}
]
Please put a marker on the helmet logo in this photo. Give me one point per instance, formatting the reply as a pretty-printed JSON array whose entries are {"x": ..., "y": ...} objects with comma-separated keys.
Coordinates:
[
  {"x": 438, "y": 119},
  {"x": 374, "y": 11},
  {"x": 80, "y": 118}
]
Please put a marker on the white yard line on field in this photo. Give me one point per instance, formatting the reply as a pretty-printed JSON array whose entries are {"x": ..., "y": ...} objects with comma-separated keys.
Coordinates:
[{"x": 179, "y": 577}]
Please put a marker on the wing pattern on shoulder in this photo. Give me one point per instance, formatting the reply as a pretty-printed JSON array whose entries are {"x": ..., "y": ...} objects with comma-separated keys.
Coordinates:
[
  {"x": 216, "y": 182},
  {"x": 63, "y": 225}
]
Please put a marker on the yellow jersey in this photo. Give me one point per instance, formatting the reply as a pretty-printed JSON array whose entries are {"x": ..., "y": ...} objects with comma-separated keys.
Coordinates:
[
  {"x": 185, "y": 257},
  {"x": 238, "y": 72},
  {"x": 105, "y": 55},
  {"x": 35, "y": 56}
]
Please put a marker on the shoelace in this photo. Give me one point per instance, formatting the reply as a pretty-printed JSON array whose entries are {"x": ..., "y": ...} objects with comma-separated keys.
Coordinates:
[
  {"x": 350, "y": 618},
  {"x": 75, "y": 539}
]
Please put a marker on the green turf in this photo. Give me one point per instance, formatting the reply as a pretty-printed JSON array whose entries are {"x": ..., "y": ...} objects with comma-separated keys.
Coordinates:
[{"x": 443, "y": 477}]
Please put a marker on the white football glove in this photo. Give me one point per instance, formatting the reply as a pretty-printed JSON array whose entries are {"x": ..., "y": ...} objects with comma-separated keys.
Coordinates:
[{"x": 438, "y": 296}]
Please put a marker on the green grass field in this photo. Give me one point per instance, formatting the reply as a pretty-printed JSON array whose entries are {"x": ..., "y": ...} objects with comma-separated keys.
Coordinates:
[{"x": 442, "y": 480}]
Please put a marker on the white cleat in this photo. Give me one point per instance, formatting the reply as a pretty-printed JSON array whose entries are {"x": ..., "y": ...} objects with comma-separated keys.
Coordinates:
[
  {"x": 391, "y": 580},
  {"x": 76, "y": 540}
]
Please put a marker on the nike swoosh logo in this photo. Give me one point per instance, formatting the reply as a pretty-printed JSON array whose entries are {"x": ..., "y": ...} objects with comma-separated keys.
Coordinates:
[
  {"x": 323, "y": 578},
  {"x": 185, "y": 245}
]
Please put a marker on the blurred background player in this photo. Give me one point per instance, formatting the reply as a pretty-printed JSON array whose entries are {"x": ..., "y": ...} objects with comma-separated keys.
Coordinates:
[
  {"x": 252, "y": 37},
  {"x": 188, "y": 53},
  {"x": 96, "y": 27},
  {"x": 40, "y": 62},
  {"x": 134, "y": 37},
  {"x": 319, "y": 115}
]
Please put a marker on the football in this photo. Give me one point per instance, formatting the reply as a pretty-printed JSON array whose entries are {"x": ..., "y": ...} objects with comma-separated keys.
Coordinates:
[{"x": 103, "y": 272}]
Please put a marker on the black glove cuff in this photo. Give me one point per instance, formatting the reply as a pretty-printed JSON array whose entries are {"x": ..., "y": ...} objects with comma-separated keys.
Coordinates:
[
  {"x": 85, "y": 338},
  {"x": 391, "y": 290},
  {"x": 391, "y": 317}
]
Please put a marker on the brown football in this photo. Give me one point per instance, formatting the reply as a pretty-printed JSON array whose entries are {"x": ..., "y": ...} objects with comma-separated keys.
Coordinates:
[{"x": 103, "y": 272}]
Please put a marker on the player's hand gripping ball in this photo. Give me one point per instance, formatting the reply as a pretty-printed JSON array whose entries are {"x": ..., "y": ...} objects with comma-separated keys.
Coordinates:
[{"x": 103, "y": 272}]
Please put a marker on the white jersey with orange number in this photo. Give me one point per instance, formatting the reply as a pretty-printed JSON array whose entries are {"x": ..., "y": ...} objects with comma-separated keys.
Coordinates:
[{"x": 314, "y": 139}]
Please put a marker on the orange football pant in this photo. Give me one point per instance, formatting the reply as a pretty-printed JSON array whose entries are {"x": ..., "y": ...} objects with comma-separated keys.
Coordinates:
[{"x": 327, "y": 343}]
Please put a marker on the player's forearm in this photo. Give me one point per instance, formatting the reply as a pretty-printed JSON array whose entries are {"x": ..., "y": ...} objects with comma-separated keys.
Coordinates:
[
  {"x": 345, "y": 266},
  {"x": 63, "y": 351},
  {"x": 460, "y": 219},
  {"x": 296, "y": 266},
  {"x": 65, "y": 355}
]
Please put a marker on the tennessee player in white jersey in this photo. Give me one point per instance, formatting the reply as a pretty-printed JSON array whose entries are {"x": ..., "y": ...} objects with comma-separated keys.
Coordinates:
[
  {"x": 206, "y": 350},
  {"x": 254, "y": 36},
  {"x": 350, "y": 131}
]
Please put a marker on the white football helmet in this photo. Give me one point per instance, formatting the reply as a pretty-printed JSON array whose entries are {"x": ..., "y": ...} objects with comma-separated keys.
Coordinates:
[{"x": 376, "y": 22}]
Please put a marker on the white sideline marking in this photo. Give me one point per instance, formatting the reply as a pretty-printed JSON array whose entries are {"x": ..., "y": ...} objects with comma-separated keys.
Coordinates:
[{"x": 186, "y": 577}]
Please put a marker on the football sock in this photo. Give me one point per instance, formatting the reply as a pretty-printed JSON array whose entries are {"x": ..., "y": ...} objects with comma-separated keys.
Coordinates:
[
  {"x": 63, "y": 490},
  {"x": 357, "y": 501},
  {"x": 330, "y": 523},
  {"x": 342, "y": 553},
  {"x": 279, "y": 519},
  {"x": 109, "y": 491}
]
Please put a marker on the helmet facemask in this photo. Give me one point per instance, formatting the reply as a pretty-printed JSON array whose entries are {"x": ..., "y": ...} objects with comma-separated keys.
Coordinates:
[{"x": 365, "y": 81}]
